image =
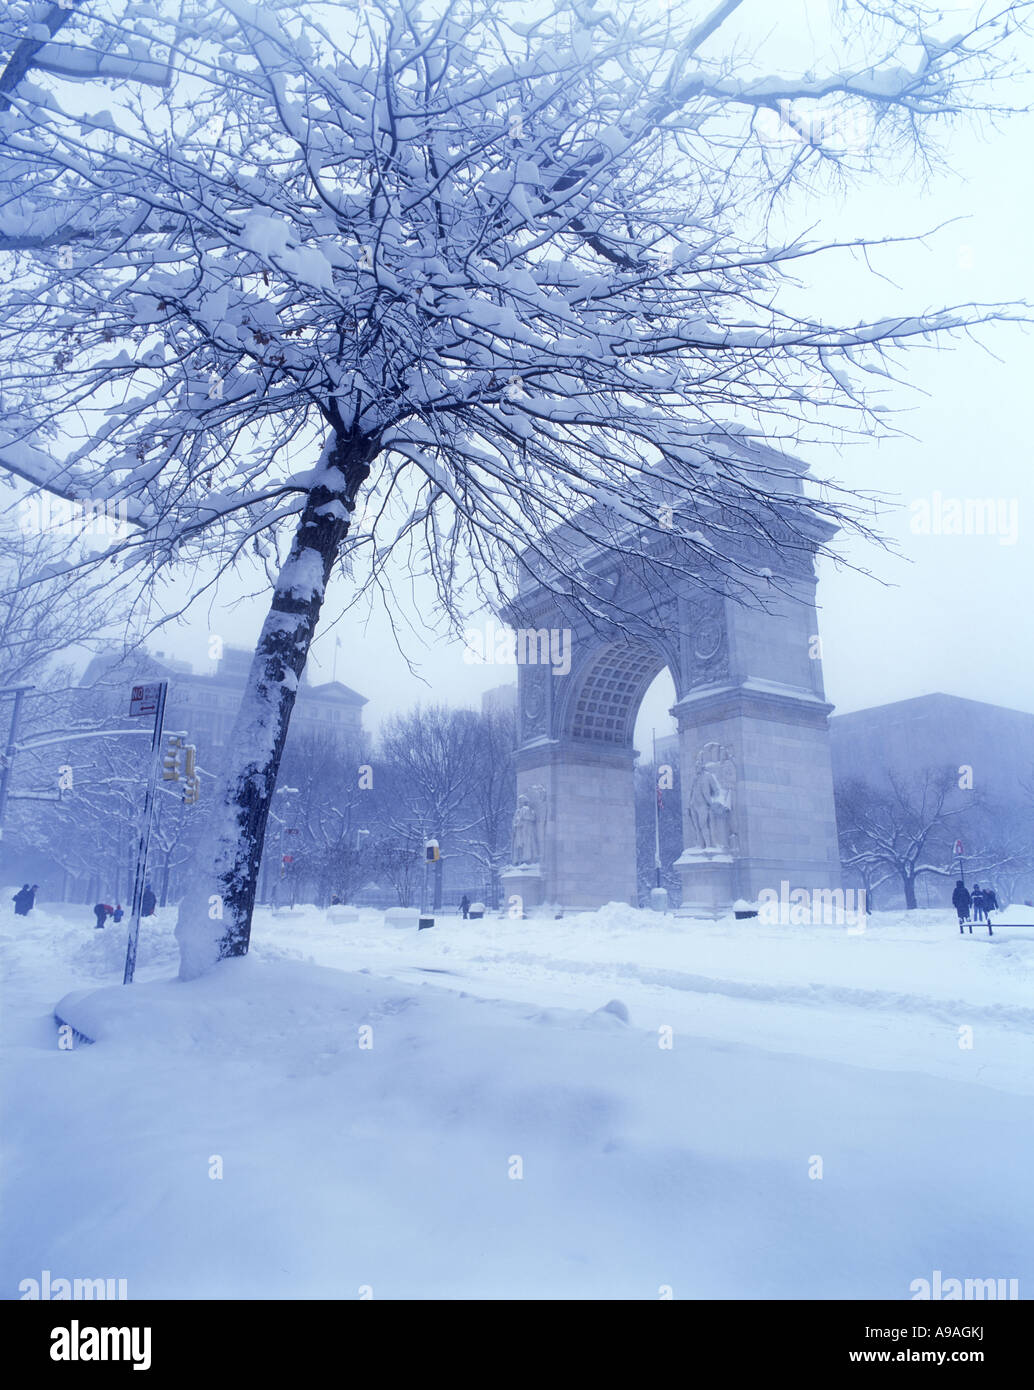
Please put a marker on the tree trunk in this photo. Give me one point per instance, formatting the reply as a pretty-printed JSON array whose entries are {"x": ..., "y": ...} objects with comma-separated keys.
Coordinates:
[
  {"x": 910, "y": 890},
  {"x": 215, "y": 916}
]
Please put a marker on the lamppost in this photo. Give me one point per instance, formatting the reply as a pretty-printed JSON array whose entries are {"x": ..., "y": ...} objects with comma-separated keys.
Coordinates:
[
  {"x": 360, "y": 835},
  {"x": 284, "y": 829}
]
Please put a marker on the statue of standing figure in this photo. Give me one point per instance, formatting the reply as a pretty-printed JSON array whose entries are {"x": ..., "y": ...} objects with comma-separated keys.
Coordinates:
[
  {"x": 525, "y": 844},
  {"x": 710, "y": 797}
]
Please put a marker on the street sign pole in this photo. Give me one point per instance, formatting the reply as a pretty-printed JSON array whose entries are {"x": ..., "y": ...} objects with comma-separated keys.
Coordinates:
[
  {"x": 145, "y": 825},
  {"x": 19, "y": 692}
]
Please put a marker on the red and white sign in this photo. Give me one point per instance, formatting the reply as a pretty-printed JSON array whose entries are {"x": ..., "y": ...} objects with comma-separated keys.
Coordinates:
[
  {"x": 143, "y": 699},
  {"x": 958, "y": 850}
]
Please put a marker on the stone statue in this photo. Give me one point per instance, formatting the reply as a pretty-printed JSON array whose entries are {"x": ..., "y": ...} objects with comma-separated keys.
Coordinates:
[
  {"x": 710, "y": 797},
  {"x": 524, "y": 845}
]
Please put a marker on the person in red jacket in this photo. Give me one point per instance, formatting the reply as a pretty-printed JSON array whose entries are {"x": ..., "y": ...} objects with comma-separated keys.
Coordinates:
[{"x": 102, "y": 911}]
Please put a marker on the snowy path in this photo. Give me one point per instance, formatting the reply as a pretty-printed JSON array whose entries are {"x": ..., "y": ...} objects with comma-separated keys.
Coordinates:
[
  {"x": 501, "y": 1139},
  {"x": 888, "y": 1028}
]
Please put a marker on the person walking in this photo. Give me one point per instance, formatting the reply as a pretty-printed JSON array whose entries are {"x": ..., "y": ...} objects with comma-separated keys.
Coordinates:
[
  {"x": 464, "y": 906},
  {"x": 962, "y": 901},
  {"x": 990, "y": 903},
  {"x": 978, "y": 902},
  {"x": 149, "y": 902},
  {"x": 102, "y": 911},
  {"x": 23, "y": 900}
]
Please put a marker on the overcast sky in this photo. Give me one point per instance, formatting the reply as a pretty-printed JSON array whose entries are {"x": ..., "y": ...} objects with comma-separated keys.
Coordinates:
[{"x": 953, "y": 613}]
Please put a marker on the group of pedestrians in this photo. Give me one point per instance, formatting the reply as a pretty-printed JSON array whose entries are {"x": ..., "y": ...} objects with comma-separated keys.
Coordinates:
[
  {"x": 25, "y": 899},
  {"x": 980, "y": 903},
  {"x": 102, "y": 911}
]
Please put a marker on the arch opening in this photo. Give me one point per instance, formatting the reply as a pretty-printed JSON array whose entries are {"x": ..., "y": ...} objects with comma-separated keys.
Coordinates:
[{"x": 605, "y": 703}]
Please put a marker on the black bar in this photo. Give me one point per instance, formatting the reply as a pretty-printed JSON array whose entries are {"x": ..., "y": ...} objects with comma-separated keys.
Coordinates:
[{"x": 381, "y": 1338}]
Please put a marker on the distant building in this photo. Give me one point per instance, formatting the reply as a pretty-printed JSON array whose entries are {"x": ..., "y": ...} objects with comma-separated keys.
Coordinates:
[
  {"x": 667, "y": 750},
  {"x": 206, "y": 705},
  {"x": 934, "y": 731},
  {"x": 501, "y": 699}
]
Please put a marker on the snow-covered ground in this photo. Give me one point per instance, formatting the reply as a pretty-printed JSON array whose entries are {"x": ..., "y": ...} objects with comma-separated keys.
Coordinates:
[{"x": 497, "y": 1131}]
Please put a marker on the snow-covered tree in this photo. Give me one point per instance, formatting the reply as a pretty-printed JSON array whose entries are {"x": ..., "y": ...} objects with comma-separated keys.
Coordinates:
[
  {"x": 42, "y": 614},
  {"x": 478, "y": 268},
  {"x": 29, "y": 33},
  {"x": 899, "y": 828},
  {"x": 331, "y": 805},
  {"x": 433, "y": 757},
  {"x": 491, "y": 797}
]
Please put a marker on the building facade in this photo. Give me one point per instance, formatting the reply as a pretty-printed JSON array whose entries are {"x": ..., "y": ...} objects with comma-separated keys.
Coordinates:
[{"x": 205, "y": 705}]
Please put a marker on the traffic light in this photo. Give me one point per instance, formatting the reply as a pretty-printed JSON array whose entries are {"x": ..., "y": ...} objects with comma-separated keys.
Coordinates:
[
  {"x": 192, "y": 788},
  {"x": 431, "y": 852},
  {"x": 171, "y": 761}
]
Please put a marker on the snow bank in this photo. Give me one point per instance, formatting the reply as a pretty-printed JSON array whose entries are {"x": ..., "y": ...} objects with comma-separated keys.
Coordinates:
[{"x": 278, "y": 1128}]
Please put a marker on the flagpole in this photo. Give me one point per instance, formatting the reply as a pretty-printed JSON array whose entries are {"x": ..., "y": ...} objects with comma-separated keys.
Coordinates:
[{"x": 656, "y": 813}]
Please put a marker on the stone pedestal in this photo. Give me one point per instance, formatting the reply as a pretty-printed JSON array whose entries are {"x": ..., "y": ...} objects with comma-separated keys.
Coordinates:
[
  {"x": 525, "y": 882},
  {"x": 707, "y": 883},
  {"x": 588, "y": 830}
]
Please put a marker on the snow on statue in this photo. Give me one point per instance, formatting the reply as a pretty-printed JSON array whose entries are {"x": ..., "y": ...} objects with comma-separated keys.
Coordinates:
[{"x": 710, "y": 804}]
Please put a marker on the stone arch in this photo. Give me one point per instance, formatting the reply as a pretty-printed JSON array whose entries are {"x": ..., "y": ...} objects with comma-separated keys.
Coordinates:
[{"x": 753, "y": 734}]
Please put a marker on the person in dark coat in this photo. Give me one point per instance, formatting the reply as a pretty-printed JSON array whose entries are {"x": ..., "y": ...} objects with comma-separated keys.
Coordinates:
[
  {"x": 962, "y": 902},
  {"x": 990, "y": 905},
  {"x": 102, "y": 911},
  {"x": 978, "y": 903},
  {"x": 23, "y": 900},
  {"x": 464, "y": 906},
  {"x": 118, "y": 914},
  {"x": 149, "y": 902}
]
